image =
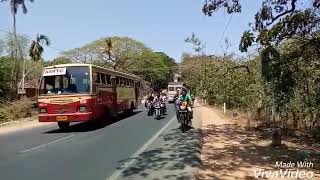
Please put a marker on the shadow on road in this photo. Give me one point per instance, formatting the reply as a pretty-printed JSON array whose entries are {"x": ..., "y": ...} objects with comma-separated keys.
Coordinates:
[
  {"x": 175, "y": 158},
  {"x": 92, "y": 125}
]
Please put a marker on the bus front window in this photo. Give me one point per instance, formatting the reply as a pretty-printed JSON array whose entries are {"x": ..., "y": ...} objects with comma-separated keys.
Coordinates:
[{"x": 75, "y": 80}]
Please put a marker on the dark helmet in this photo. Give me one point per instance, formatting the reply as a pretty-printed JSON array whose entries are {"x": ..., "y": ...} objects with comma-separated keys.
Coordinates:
[{"x": 184, "y": 90}]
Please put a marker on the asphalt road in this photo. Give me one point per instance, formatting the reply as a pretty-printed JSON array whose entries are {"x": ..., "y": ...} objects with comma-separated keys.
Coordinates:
[{"x": 135, "y": 147}]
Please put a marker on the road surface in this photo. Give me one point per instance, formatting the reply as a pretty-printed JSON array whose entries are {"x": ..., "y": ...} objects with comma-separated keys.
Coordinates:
[{"x": 135, "y": 147}]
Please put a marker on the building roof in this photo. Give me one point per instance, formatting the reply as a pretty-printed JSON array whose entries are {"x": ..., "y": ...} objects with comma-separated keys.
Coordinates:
[{"x": 30, "y": 84}]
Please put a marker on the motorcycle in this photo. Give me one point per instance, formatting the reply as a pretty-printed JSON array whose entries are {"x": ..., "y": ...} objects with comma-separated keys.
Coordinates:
[
  {"x": 149, "y": 108},
  {"x": 163, "y": 107},
  {"x": 183, "y": 117},
  {"x": 158, "y": 111}
]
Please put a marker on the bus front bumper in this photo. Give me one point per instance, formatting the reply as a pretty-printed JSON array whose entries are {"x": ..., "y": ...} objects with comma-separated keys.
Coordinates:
[{"x": 69, "y": 117}]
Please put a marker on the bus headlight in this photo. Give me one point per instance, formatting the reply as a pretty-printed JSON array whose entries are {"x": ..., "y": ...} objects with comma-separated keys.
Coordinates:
[
  {"x": 82, "y": 109},
  {"x": 43, "y": 110}
]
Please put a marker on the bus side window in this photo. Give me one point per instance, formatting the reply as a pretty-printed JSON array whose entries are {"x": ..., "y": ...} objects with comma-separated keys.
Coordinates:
[
  {"x": 113, "y": 81},
  {"x": 122, "y": 82},
  {"x": 103, "y": 78},
  {"x": 98, "y": 78},
  {"x": 117, "y": 80},
  {"x": 126, "y": 82},
  {"x": 95, "y": 77}
]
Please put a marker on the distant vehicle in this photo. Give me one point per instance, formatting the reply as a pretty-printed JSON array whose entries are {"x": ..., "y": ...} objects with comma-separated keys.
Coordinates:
[
  {"x": 173, "y": 87},
  {"x": 85, "y": 92}
]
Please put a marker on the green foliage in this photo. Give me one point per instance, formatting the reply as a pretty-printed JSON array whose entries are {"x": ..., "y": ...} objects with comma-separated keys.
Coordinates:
[
  {"x": 211, "y": 6},
  {"x": 5, "y": 72},
  {"x": 128, "y": 55},
  {"x": 36, "y": 48},
  {"x": 15, "y": 4},
  {"x": 115, "y": 52},
  {"x": 300, "y": 82},
  {"x": 58, "y": 60},
  {"x": 224, "y": 79},
  {"x": 155, "y": 67},
  {"x": 33, "y": 70},
  {"x": 270, "y": 63},
  {"x": 246, "y": 41},
  {"x": 196, "y": 42},
  {"x": 287, "y": 32},
  {"x": 274, "y": 22},
  {"x": 1, "y": 46},
  {"x": 11, "y": 46}
]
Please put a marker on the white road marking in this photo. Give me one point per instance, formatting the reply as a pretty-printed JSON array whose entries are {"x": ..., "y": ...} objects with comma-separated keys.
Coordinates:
[
  {"x": 117, "y": 173},
  {"x": 47, "y": 144}
]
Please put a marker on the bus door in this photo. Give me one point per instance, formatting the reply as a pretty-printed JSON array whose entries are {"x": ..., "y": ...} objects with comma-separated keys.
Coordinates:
[
  {"x": 114, "y": 83},
  {"x": 136, "y": 92}
]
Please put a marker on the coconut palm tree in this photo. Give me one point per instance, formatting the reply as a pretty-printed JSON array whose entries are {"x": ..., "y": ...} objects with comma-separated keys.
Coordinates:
[
  {"x": 109, "y": 48},
  {"x": 109, "y": 51},
  {"x": 36, "y": 48},
  {"x": 14, "y": 6}
]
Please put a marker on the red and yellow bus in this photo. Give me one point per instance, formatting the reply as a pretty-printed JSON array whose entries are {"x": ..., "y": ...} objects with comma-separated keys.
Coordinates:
[{"x": 85, "y": 92}]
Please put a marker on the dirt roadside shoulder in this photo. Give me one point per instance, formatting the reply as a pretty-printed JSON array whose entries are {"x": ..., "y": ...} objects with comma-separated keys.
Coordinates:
[
  {"x": 22, "y": 124},
  {"x": 231, "y": 152}
]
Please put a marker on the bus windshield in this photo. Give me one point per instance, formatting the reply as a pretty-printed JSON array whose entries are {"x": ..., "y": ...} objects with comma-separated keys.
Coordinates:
[{"x": 66, "y": 80}]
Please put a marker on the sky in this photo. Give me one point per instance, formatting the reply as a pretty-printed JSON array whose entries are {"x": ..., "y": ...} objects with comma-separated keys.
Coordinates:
[{"x": 162, "y": 25}]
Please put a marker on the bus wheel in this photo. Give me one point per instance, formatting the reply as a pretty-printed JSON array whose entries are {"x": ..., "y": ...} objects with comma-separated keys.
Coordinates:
[
  {"x": 130, "y": 111},
  {"x": 109, "y": 116},
  {"x": 63, "y": 125}
]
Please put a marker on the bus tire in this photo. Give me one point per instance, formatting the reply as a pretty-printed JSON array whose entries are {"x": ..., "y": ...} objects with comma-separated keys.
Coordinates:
[
  {"x": 131, "y": 108},
  {"x": 64, "y": 125},
  {"x": 108, "y": 116}
]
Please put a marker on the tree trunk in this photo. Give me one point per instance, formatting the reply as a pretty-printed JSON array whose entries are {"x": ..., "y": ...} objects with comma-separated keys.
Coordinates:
[
  {"x": 15, "y": 63},
  {"x": 18, "y": 48},
  {"x": 276, "y": 137}
]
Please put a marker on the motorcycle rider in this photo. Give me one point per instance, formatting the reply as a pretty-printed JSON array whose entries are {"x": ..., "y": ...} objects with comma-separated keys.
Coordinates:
[
  {"x": 162, "y": 97},
  {"x": 185, "y": 86},
  {"x": 163, "y": 101},
  {"x": 150, "y": 98},
  {"x": 177, "y": 98},
  {"x": 157, "y": 100},
  {"x": 186, "y": 99},
  {"x": 156, "y": 97}
]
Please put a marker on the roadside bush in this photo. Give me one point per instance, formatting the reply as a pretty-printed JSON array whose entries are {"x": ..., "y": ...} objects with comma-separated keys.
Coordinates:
[{"x": 15, "y": 110}]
